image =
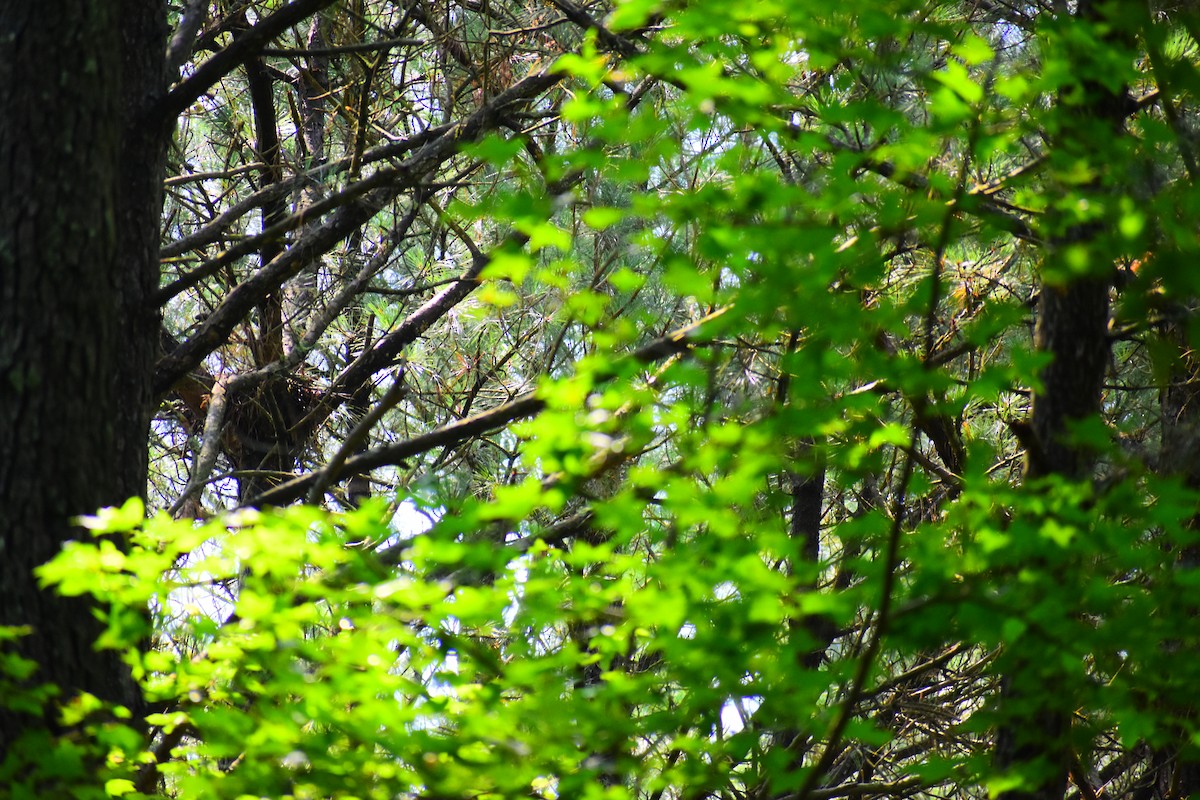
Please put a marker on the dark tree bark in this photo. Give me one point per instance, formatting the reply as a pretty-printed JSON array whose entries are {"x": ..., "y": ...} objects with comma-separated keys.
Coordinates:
[
  {"x": 1177, "y": 766},
  {"x": 1072, "y": 327},
  {"x": 80, "y": 196}
]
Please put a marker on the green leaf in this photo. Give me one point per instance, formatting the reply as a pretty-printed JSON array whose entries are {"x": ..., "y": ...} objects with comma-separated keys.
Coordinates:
[
  {"x": 115, "y": 520},
  {"x": 118, "y": 787},
  {"x": 973, "y": 50},
  {"x": 600, "y": 218},
  {"x": 495, "y": 149}
]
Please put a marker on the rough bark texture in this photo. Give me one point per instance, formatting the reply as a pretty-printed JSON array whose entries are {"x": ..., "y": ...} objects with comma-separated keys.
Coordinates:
[
  {"x": 1177, "y": 766},
  {"x": 1072, "y": 327},
  {"x": 79, "y": 205}
]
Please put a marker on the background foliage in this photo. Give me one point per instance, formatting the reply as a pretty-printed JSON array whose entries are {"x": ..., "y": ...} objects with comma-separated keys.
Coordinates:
[{"x": 771, "y": 400}]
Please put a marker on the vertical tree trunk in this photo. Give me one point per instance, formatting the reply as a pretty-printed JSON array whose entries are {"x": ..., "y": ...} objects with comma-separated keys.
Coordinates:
[
  {"x": 1072, "y": 327},
  {"x": 1178, "y": 764},
  {"x": 79, "y": 207}
]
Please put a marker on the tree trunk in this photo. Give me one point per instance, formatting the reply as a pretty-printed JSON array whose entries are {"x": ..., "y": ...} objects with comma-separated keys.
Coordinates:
[
  {"x": 1072, "y": 326},
  {"x": 80, "y": 195},
  {"x": 1178, "y": 765}
]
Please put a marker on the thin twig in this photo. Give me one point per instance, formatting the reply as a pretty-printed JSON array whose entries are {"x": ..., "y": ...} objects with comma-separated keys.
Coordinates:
[{"x": 395, "y": 393}]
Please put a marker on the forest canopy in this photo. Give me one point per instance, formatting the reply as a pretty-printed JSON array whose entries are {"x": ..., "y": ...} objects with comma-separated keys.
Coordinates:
[{"x": 608, "y": 400}]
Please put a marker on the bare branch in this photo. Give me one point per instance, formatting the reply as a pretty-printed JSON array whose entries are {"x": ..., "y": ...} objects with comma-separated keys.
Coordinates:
[
  {"x": 678, "y": 341},
  {"x": 229, "y": 59}
]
